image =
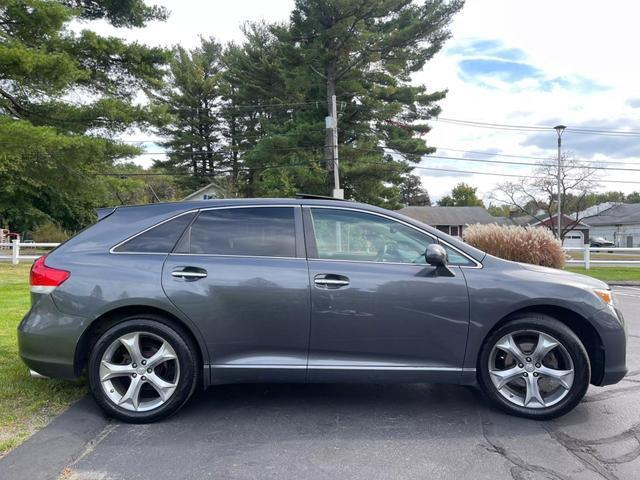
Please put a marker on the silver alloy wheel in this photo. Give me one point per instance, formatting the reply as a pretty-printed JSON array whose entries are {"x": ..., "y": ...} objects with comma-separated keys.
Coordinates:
[
  {"x": 531, "y": 369},
  {"x": 139, "y": 371}
]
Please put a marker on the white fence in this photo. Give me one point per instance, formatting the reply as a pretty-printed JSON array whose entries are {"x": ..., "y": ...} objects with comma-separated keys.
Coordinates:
[
  {"x": 17, "y": 248},
  {"x": 615, "y": 256}
]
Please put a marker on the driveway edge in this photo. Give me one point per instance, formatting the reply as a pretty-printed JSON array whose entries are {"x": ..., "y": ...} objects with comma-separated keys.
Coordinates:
[{"x": 45, "y": 454}]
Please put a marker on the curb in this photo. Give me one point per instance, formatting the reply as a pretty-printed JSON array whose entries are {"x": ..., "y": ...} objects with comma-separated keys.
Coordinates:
[
  {"x": 624, "y": 283},
  {"x": 44, "y": 455}
]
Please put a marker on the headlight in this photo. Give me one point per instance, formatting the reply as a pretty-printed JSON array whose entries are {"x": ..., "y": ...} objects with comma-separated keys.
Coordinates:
[{"x": 606, "y": 296}]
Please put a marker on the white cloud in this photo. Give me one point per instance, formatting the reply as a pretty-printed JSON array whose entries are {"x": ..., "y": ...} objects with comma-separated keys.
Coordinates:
[{"x": 579, "y": 41}]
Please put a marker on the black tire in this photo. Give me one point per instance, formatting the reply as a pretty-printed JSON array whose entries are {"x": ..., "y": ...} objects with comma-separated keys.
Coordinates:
[
  {"x": 572, "y": 344},
  {"x": 186, "y": 356}
]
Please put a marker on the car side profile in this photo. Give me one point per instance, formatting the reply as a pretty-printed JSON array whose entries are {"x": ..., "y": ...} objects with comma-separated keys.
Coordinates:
[{"x": 154, "y": 301}]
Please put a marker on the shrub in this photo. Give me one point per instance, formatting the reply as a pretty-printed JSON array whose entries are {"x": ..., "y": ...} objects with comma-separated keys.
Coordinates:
[
  {"x": 532, "y": 245},
  {"x": 49, "y": 232}
]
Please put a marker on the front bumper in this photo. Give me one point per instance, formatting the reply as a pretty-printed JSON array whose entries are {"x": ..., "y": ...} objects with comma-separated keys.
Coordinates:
[
  {"x": 47, "y": 339},
  {"x": 612, "y": 331}
]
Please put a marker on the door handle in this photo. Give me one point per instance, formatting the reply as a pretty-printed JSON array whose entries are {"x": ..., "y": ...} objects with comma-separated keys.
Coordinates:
[
  {"x": 189, "y": 273},
  {"x": 330, "y": 280}
]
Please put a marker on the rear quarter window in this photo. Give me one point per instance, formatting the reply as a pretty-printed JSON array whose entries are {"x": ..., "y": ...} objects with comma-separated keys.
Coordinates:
[{"x": 158, "y": 239}]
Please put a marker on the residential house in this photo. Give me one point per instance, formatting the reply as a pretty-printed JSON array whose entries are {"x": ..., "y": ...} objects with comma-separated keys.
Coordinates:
[
  {"x": 453, "y": 220},
  {"x": 450, "y": 220},
  {"x": 619, "y": 224},
  {"x": 577, "y": 236},
  {"x": 207, "y": 192}
]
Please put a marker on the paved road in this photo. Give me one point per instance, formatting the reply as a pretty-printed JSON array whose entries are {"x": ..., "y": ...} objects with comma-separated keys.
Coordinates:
[{"x": 377, "y": 432}]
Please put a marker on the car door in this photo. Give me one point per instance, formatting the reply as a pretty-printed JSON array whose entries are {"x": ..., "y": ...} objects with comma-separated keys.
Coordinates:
[
  {"x": 379, "y": 312},
  {"x": 240, "y": 274}
]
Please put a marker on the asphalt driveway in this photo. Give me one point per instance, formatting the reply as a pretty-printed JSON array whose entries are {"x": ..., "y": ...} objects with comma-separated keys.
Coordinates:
[{"x": 349, "y": 431}]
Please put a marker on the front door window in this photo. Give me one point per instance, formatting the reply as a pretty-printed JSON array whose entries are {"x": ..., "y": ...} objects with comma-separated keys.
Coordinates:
[{"x": 350, "y": 235}]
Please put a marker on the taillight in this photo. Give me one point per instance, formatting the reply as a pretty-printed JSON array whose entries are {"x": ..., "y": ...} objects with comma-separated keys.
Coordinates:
[{"x": 45, "y": 279}]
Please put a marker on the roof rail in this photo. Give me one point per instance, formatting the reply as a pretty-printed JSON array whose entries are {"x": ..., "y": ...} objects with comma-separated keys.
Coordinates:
[{"x": 318, "y": 197}]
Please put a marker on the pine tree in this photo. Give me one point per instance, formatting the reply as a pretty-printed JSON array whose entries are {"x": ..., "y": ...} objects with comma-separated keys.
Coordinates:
[
  {"x": 364, "y": 52},
  {"x": 192, "y": 97},
  {"x": 63, "y": 96},
  {"x": 271, "y": 97}
]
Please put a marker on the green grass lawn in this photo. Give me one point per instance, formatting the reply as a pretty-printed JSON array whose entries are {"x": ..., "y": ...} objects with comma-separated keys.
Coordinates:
[
  {"x": 609, "y": 274},
  {"x": 26, "y": 404}
]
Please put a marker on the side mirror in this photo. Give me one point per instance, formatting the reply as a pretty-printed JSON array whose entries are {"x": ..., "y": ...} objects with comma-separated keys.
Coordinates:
[{"x": 436, "y": 256}]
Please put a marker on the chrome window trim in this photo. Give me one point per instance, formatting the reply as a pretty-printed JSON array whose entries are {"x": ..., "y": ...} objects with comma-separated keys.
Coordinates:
[
  {"x": 195, "y": 210},
  {"x": 111, "y": 250},
  {"x": 477, "y": 264},
  {"x": 233, "y": 256}
]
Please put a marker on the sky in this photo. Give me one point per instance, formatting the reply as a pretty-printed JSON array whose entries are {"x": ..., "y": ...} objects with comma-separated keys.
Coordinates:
[{"x": 538, "y": 63}]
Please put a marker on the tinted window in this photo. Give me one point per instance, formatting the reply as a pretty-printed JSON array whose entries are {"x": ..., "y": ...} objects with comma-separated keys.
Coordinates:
[
  {"x": 349, "y": 235},
  {"x": 159, "y": 239},
  {"x": 456, "y": 258},
  {"x": 265, "y": 232}
]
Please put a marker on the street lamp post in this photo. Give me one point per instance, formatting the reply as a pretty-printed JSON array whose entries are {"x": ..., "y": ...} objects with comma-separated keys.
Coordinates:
[{"x": 559, "y": 129}]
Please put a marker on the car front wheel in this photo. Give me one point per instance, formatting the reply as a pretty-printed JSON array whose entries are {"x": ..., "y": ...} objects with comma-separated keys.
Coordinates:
[
  {"x": 534, "y": 366},
  {"x": 142, "y": 369}
]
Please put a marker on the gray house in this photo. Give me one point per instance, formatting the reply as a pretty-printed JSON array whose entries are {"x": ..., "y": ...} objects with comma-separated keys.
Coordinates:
[
  {"x": 451, "y": 220},
  {"x": 619, "y": 224}
]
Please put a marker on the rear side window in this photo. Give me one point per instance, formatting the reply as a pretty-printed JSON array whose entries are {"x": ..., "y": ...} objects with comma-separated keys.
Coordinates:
[
  {"x": 262, "y": 232},
  {"x": 158, "y": 239}
]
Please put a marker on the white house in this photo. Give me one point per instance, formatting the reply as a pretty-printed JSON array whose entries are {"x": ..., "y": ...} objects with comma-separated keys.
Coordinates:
[
  {"x": 619, "y": 224},
  {"x": 208, "y": 192}
]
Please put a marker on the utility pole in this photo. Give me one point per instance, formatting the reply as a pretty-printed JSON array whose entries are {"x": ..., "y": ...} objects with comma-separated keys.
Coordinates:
[
  {"x": 332, "y": 139},
  {"x": 559, "y": 129}
]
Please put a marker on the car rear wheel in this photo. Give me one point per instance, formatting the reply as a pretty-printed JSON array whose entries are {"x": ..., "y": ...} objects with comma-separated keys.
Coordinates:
[
  {"x": 534, "y": 366},
  {"x": 143, "y": 369}
]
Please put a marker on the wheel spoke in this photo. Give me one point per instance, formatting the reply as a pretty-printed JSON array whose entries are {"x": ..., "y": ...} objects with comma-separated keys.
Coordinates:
[
  {"x": 563, "y": 377},
  {"x": 110, "y": 370},
  {"x": 502, "y": 377},
  {"x": 164, "y": 353},
  {"x": 164, "y": 388},
  {"x": 533, "y": 392},
  {"x": 140, "y": 370},
  {"x": 131, "y": 342},
  {"x": 543, "y": 347},
  {"x": 509, "y": 345},
  {"x": 132, "y": 395}
]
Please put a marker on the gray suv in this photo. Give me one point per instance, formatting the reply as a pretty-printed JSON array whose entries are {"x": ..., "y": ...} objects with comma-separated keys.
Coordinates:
[{"x": 155, "y": 301}]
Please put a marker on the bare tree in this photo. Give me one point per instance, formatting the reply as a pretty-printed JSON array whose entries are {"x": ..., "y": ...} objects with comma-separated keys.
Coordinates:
[{"x": 537, "y": 195}]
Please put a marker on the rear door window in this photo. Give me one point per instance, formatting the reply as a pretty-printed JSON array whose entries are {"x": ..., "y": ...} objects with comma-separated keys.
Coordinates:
[
  {"x": 159, "y": 239},
  {"x": 258, "y": 231}
]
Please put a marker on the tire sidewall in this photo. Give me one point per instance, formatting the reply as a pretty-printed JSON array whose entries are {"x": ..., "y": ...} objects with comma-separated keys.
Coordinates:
[
  {"x": 573, "y": 345},
  {"x": 189, "y": 371}
]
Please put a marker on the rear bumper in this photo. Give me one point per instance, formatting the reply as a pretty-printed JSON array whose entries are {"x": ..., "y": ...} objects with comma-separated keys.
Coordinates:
[
  {"x": 612, "y": 331},
  {"x": 47, "y": 339}
]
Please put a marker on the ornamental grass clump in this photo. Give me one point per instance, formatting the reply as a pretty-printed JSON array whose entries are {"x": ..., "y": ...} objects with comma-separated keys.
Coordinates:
[{"x": 534, "y": 245}]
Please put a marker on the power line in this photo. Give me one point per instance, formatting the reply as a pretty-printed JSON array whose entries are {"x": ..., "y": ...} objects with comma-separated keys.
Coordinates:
[
  {"x": 306, "y": 164},
  {"x": 480, "y": 160},
  {"x": 539, "y": 128},
  {"x": 496, "y": 154},
  {"x": 442, "y": 157}
]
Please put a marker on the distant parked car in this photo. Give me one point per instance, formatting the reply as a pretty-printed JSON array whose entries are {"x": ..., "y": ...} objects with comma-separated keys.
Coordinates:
[
  {"x": 600, "y": 242},
  {"x": 158, "y": 300}
]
